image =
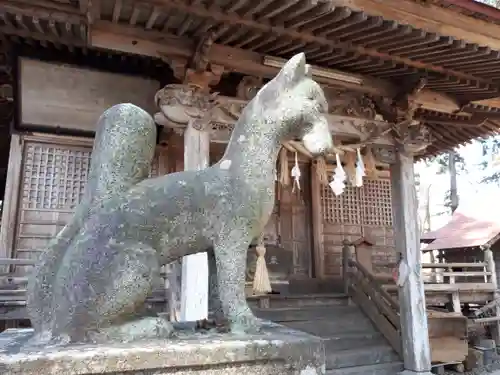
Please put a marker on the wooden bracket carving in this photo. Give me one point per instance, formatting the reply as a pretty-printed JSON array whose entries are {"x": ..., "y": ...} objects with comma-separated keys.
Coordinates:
[
  {"x": 405, "y": 99},
  {"x": 384, "y": 154},
  {"x": 351, "y": 117},
  {"x": 413, "y": 137},
  {"x": 402, "y": 106},
  {"x": 248, "y": 87},
  {"x": 346, "y": 103},
  {"x": 180, "y": 104},
  {"x": 200, "y": 62},
  {"x": 198, "y": 70}
]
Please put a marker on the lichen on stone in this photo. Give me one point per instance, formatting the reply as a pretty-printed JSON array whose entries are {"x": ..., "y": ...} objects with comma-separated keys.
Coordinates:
[{"x": 91, "y": 283}]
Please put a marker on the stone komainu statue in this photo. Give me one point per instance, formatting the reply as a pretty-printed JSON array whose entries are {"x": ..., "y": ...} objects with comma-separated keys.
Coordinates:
[{"x": 91, "y": 282}]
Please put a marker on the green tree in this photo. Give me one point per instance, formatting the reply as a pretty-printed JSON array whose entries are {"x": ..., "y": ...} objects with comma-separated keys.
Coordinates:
[
  {"x": 454, "y": 164},
  {"x": 490, "y": 152}
]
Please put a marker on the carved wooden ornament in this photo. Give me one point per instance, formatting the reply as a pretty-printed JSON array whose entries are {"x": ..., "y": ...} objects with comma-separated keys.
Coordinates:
[{"x": 180, "y": 104}]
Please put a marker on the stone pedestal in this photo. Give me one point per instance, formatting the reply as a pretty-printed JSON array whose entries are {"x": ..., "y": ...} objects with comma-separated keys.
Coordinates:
[{"x": 274, "y": 351}]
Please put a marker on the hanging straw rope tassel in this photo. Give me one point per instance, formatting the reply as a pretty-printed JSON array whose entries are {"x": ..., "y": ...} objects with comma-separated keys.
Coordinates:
[
  {"x": 350, "y": 166},
  {"x": 321, "y": 170},
  {"x": 284, "y": 176},
  {"x": 261, "y": 283},
  {"x": 370, "y": 165}
]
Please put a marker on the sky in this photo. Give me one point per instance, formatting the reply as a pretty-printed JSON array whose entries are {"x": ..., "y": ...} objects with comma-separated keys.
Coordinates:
[{"x": 469, "y": 190}]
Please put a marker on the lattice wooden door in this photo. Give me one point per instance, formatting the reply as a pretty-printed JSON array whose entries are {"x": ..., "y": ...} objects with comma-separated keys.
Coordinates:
[
  {"x": 358, "y": 212},
  {"x": 52, "y": 184},
  {"x": 295, "y": 223}
]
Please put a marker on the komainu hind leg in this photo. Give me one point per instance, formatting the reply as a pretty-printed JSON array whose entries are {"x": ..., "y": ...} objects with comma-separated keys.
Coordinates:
[
  {"x": 136, "y": 272},
  {"x": 216, "y": 318},
  {"x": 143, "y": 328}
]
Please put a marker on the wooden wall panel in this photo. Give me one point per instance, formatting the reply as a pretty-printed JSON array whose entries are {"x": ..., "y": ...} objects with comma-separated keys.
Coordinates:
[
  {"x": 294, "y": 216},
  {"x": 71, "y": 97},
  {"x": 53, "y": 178},
  {"x": 358, "y": 212}
]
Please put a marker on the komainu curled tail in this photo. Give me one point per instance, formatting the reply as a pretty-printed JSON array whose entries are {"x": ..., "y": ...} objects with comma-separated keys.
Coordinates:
[{"x": 122, "y": 155}]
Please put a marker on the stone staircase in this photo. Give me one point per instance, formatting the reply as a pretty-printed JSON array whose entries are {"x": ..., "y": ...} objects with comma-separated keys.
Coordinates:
[{"x": 353, "y": 345}]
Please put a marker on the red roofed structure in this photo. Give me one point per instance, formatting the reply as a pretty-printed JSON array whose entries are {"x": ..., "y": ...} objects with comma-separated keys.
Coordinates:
[{"x": 469, "y": 227}]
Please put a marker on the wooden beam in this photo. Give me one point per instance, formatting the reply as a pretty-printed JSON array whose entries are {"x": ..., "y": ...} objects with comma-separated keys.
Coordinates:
[
  {"x": 473, "y": 122},
  {"x": 46, "y": 37},
  {"x": 317, "y": 222},
  {"x": 43, "y": 10},
  {"x": 83, "y": 5},
  {"x": 233, "y": 19},
  {"x": 493, "y": 102},
  {"x": 432, "y": 18},
  {"x": 127, "y": 39}
]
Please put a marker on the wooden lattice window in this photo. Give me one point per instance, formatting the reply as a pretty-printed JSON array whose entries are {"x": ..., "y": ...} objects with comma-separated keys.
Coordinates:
[
  {"x": 377, "y": 204},
  {"x": 344, "y": 208},
  {"x": 367, "y": 205},
  {"x": 54, "y": 177}
]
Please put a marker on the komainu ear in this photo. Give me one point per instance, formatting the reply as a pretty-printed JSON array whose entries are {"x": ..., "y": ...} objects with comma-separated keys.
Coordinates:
[{"x": 293, "y": 71}]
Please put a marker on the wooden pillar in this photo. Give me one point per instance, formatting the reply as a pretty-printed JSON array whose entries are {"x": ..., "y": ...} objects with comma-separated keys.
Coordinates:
[
  {"x": 11, "y": 197},
  {"x": 317, "y": 222},
  {"x": 187, "y": 108},
  {"x": 414, "y": 331},
  {"x": 491, "y": 267},
  {"x": 194, "y": 295}
]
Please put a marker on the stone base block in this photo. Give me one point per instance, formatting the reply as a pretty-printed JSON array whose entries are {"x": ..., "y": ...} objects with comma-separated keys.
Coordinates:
[{"x": 275, "y": 351}]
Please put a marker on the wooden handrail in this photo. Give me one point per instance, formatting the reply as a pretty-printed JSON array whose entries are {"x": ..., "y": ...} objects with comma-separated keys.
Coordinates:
[
  {"x": 374, "y": 284},
  {"x": 465, "y": 274},
  {"x": 448, "y": 288},
  {"x": 453, "y": 265},
  {"x": 378, "y": 305}
]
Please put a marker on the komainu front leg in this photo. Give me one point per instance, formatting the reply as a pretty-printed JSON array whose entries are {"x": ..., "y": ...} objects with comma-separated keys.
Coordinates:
[
  {"x": 230, "y": 256},
  {"x": 214, "y": 303}
]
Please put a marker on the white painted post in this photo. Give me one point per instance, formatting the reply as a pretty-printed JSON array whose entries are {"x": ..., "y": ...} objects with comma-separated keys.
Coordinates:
[
  {"x": 455, "y": 295},
  {"x": 188, "y": 106},
  {"x": 414, "y": 331},
  {"x": 194, "y": 295},
  {"x": 491, "y": 267}
]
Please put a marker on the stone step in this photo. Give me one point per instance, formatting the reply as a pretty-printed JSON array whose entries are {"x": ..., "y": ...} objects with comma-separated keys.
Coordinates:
[
  {"x": 297, "y": 300},
  {"x": 348, "y": 341},
  {"x": 378, "y": 369},
  {"x": 332, "y": 328},
  {"x": 312, "y": 313},
  {"x": 370, "y": 355}
]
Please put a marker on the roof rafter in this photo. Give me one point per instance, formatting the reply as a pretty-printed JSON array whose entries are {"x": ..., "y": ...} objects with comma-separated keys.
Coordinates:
[
  {"x": 107, "y": 35},
  {"x": 429, "y": 17},
  {"x": 43, "y": 10},
  {"x": 219, "y": 15}
]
